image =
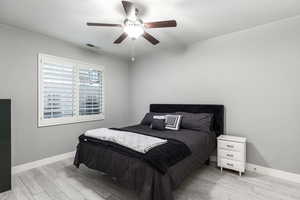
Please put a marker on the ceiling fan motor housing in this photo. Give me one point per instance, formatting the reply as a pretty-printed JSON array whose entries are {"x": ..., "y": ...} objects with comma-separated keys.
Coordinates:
[{"x": 134, "y": 28}]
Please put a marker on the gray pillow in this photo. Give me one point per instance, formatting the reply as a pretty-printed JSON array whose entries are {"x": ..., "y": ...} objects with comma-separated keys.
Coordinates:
[
  {"x": 147, "y": 120},
  {"x": 158, "y": 124},
  {"x": 196, "y": 121}
]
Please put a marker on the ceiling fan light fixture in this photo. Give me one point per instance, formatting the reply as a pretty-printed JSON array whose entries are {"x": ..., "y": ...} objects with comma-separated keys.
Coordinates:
[{"x": 134, "y": 29}]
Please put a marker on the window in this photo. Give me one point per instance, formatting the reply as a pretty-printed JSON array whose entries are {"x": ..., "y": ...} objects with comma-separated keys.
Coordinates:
[{"x": 69, "y": 91}]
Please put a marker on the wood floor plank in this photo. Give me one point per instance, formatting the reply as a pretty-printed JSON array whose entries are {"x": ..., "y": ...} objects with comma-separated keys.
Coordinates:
[
  {"x": 4, "y": 195},
  {"x": 11, "y": 196},
  {"x": 20, "y": 190},
  {"x": 87, "y": 192},
  {"x": 42, "y": 196},
  {"x": 29, "y": 181},
  {"x": 70, "y": 191},
  {"x": 92, "y": 180}
]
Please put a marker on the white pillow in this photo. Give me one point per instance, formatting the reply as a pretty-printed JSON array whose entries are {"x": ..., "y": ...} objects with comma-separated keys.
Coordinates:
[
  {"x": 173, "y": 122},
  {"x": 159, "y": 117}
]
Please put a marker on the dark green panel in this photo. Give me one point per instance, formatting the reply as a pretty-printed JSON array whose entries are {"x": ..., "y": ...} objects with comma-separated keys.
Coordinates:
[{"x": 5, "y": 145}]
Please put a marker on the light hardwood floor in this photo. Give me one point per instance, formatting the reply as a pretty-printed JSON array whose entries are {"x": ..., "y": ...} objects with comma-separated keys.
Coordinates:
[{"x": 62, "y": 181}]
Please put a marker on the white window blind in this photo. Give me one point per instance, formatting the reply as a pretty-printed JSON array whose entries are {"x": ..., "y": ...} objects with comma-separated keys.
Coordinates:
[
  {"x": 69, "y": 91},
  {"x": 90, "y": 92},
  {"x": 59, "y": 90}
]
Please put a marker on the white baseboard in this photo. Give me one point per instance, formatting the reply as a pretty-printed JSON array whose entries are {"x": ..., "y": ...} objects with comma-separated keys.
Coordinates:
[
  {"x": 39, "y": 163},
  {"x": 269, "y": 171},
  {"x": 273, "y": 172}
]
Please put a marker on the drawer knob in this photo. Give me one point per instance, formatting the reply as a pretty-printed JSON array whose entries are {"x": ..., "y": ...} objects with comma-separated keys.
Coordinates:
[
  {"x": 229, "y": 164},
  {"x": 229, "y": 146},
  {"x": 230, "y": 155}
]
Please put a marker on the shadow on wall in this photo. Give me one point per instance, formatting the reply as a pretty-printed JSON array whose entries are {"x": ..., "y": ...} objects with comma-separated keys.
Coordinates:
[
  {"x": 254, "y": 154},
  {"x": 173, "y": 50}
]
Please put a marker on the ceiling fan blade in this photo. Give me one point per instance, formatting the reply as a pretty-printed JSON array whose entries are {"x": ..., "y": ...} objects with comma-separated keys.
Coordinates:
[
  {"x": 150, "y": 38},
  {"x": 120, "y": 39},
  {"x": 136, "y": 12},
  {"x": 103, "y": 24},
  {"x": 127, "y": 5},
  {"x": 161, "y": 24}
]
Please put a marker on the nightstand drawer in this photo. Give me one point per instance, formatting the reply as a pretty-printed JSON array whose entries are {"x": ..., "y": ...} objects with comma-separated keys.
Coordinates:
[
  {"x": 232, "y": 155},
  {"x": 233, "y": 146},
  {"x": 230, "y": 164}
]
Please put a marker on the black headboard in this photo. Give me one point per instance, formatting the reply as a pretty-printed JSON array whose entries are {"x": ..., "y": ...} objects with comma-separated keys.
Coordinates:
[{"x": 217, "y": 110}]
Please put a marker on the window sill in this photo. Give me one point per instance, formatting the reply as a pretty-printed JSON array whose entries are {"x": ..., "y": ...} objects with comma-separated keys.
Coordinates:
[{"x": 66, "y": 121}]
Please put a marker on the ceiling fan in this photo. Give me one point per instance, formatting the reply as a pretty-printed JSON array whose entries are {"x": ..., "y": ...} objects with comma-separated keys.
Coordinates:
[{"x": 134, "y": 27}]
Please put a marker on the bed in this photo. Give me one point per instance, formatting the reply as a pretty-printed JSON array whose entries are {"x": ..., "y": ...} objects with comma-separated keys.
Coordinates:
[{"x": 140, "y": 176}]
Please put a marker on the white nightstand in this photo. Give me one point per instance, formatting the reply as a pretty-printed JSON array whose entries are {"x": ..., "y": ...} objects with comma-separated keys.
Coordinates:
[{"x": 232, "y": 153}]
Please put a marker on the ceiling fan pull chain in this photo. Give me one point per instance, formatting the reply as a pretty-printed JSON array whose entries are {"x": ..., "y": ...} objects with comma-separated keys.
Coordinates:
[{"x": 133, "y": 51}]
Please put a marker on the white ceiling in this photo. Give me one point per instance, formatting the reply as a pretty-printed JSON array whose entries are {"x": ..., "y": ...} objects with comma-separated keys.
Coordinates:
[{"x": 197, "y": 19}]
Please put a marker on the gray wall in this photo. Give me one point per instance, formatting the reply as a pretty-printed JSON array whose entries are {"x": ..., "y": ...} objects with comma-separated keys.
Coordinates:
[
  {"x": 254, "y": 73},
  {"x": 18, "y": 81}
]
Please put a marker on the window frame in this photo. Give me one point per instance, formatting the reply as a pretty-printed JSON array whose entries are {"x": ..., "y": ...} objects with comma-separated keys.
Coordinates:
[{"x": 76, "y": 118}]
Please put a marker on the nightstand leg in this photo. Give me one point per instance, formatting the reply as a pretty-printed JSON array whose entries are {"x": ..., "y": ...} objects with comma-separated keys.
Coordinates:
[
  {"x": 221, "y": 169},
  {"x": 240, "y": 173}
]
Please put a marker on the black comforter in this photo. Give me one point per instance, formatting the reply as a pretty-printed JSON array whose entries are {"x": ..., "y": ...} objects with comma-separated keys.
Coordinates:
[
  {"x": 161, "y": 157},
  {"x": 141, "y": 175}
]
